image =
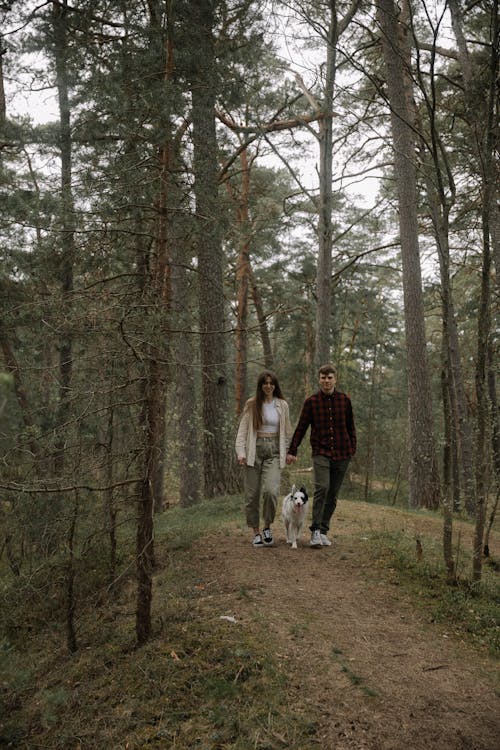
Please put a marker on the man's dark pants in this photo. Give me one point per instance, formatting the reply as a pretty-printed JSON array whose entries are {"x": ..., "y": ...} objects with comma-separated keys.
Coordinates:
[{"x": 328, "y": 478}]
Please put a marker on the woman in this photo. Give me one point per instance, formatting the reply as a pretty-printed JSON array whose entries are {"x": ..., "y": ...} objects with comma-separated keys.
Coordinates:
[{"x": 261, "y": 446}]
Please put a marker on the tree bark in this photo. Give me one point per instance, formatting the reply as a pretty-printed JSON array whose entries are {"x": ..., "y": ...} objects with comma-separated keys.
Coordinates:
[
  {"x": 71, "y": 640},
  {"x": 461, "y": 438},
  {"x": 371, "y": 415},
  {"x": 67, "y": 236},
  {"x": 324, "y": 204},
  {"x": 447, "y": 460},
  {"x": 153, "y": 406},
  {"x": 3, "y": 108},
  {"x": 144, "y": 554},
  {"x": 155, "y": 294},
  {"x": 242, "y": 283},
  {"x": 109, "y": 504},
  {"x": 322, "y": 340},
  {"x": 484, "y": 127},
  {"x": 161, "y": 304},
  {"x": 490, "y": 210},
  {"x": 482, "y": 404},
  {"x": 424, "y": 487},
  {"x": 495, "y": 445},
  {"x": 261, "y": 317},
  {"x": 184, "y": 321},
  {"x": 12, "y": 368},
  {"x": 440, "y": 193},
  {"x": 210, "y": 256},
  {"x": 188, "y": 421}
]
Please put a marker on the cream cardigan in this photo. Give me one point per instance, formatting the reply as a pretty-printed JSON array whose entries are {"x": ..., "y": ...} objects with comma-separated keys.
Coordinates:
[{"x": 246, "y": 439}]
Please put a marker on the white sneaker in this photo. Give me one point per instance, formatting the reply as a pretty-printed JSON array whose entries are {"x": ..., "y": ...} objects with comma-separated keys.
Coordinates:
[
  {"x": 315, "y": 539},
  {"x": 325, "y": 542}
]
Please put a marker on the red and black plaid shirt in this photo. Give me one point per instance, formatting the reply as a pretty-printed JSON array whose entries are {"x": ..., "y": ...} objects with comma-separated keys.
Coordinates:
[{"x": 332, "y": 426}]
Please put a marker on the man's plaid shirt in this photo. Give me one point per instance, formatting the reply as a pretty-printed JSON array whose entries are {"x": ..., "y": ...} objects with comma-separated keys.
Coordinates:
[{"x": 332, "y": 426}]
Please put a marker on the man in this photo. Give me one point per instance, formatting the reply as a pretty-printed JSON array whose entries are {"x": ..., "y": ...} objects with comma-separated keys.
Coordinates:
[{"x": 333, "y": 442}]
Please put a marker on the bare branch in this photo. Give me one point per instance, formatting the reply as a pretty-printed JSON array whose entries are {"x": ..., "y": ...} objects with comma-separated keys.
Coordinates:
[
  {"x": 443, "y": 51},
  {"x": 16, "y": 487},
  {"x": 272, "y": 126}
]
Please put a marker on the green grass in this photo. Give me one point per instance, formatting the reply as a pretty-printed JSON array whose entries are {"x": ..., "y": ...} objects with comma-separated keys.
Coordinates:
[
  {"x": 355, "y": 679},
  {"x": 181, "y": 527},
  {"x": 298, "y": 629},
  {"x": 471, "y": 611},
  {"x": 201, "y": 682}
]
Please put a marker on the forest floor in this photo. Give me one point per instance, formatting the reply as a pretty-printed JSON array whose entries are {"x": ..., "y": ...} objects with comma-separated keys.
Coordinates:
[
  {"x": 367, "y": 665},
  {"x": 358, "y": 646}
]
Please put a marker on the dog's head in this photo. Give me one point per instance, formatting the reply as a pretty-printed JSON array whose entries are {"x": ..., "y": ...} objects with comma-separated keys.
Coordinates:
[{"x": 299, "y": 497}]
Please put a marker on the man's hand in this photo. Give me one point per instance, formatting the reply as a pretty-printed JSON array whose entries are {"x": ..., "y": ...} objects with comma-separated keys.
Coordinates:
[
  {"x": 242, "y": 460},
  {"x": 290, "y": 459}
]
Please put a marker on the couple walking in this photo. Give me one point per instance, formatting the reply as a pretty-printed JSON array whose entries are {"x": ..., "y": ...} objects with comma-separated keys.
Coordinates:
[{"x": 265, "y": 444}]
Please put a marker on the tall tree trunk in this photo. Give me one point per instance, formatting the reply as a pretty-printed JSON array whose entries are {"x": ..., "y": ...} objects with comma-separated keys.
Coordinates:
[
  {"x": 495, "y": 223},
  {"x": 242, "y": 285},
  {"x": 371, "y": 415},
  {"x": 440, "y": 202},
  {"x": 322, "y": 342},
  {"x": 161, "y": 302},
  {"x": 64, "y": 258},
  {"x": 447, "y": 459},
  {"x": 186, "y": 387},
  {"x": 495, "y": 445},
  {"x": 156, "y": 348},
  {"x": 482, "y": 404},
  {"x": 188, "y": 420},
  {"x": 484, "y": 126},
  {"x": 424, "y": 487},
  {"x": 489, "y": 221},
  {"x": 71, "y": 641},
  {"x": 67, "y": 232},
  {"x": 437, "y": 174},
  {"x": 109, "y": 503},
  {"x": 495, "y": 417},
  {"x": 210, "y": 256},
  {"x": 12, "y": 367},
  {"x": 263, "y": 327},
  {"x": 3, "y": 108},
  {"x": 324, "y": 203},
  {"x": 151, "y": 421},
  {"x": 309, "y": 381},
  {"x": 162, "y": 46},
  {"x": 461, "y": 438}
]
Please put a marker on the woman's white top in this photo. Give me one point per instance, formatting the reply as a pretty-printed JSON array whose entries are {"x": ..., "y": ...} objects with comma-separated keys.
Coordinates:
[{"x": 270, "y": 418}]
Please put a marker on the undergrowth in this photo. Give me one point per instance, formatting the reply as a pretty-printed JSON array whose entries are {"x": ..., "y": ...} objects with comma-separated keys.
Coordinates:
[
  {"x": 470, "y": 610},
  {"x": 201, "y": 682}
]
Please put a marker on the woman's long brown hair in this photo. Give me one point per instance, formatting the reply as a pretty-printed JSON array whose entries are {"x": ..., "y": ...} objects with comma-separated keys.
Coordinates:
[{"x": 257, "y": 401}]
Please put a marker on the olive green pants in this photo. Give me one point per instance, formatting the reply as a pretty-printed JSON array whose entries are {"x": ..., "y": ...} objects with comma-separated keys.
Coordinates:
[{"x": 263, "y": 478}]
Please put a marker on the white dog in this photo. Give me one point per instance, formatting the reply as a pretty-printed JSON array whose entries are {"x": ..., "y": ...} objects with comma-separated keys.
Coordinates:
[{"x": 294, "y": 512}]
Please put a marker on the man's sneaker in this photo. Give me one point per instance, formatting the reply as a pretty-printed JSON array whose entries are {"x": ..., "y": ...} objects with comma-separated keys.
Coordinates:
[
  {"x": 257, "y": 541},
  {"x": 325, "y": 542},
  {"x": 315, "y": 539},
  {"x": 268, "y": 538}
]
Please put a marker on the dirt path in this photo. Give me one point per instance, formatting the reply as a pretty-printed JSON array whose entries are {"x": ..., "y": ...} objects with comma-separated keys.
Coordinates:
[{"x": 362, "y": 664}]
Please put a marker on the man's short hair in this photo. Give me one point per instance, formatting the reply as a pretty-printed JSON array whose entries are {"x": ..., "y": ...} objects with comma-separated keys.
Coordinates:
[{"x": 327, "y": 369}]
